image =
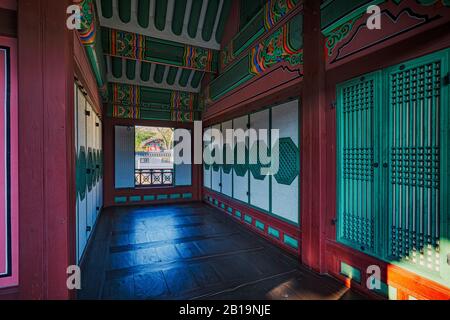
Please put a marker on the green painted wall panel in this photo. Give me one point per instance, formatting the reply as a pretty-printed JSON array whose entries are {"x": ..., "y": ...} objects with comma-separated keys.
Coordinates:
[
  {"x": 248, "y": 219},
  {"x": 149, "y": 198},
  {"x": 290, "y": 241},
  {"x": 273, "y": 232},
  {"x": 120, "y": 199},
  {"x": 135, "y": 198},
  {"x": 350, "y": 272}
]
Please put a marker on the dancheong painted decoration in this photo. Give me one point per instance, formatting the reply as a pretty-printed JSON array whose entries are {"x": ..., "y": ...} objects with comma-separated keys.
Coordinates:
[{"x": 344, "y": 24}]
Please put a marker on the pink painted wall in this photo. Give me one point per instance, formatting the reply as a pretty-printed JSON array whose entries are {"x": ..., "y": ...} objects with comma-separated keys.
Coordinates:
[{"x": 8, "y": 189}]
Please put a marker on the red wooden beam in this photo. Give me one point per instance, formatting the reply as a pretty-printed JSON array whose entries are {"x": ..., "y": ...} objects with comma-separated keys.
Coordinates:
[
  {"x": 46, "y": 153},
  {"x": 313, "y": 141}
]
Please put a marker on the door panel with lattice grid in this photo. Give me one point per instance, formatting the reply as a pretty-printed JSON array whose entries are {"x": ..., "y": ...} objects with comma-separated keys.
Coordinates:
[
  {"x": 358, "y": 136},
  {"x": 397, "y": 210},
  {"x": 415, "y": 110}
]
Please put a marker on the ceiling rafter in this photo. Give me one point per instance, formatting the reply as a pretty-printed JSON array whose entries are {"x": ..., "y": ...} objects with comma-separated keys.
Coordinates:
[
  {"x": 139, "y": 16},
  {"x": 146, "y": 74}
]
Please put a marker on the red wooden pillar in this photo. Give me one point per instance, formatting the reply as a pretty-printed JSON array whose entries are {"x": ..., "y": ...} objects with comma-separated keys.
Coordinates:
[
  {"x": 313, "y": 201},
  {"x": 46, "y": 146}
]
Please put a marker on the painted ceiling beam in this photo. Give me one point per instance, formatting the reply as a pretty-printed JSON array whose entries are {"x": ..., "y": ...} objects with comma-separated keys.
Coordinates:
[
  {"x": 146, "y": 97},
  {"x": 141, "y": 73},
  {"x": 134, "y": 46},
  {"x": 131, "y": 16}
]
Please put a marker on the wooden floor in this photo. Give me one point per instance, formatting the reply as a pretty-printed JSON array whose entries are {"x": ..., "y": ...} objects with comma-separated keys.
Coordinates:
[{"x": 192, "y": 251}]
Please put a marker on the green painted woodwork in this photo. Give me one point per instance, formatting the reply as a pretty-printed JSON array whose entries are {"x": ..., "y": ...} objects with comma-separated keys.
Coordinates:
[
  {"x": 143, "y": 13},
  {"x": 81, "y": 166},
  {"x": 418, "y": 115},
  {"x": 230, "y": 210},
  {"x": 185, "y": 74},
  {"x": 223, "y": 20},
  {"x": 222, "y": 205},
  {"x": 107, "y": 8},
  {"x": 120, "y": 199},
  {"x": 162, "y": 197},
  {"x": 273, "y": 232},
  {"x": 333, "y": 11},
  {"x": 194, "y": 17},
  {"x": 125, "y": 10},
  {"x": 259, "y": 225},
  {"x": 131, "y": 69},
  {"x": 149, "y": 198},
  {"x": 145, "y": 71},
  {"x": 178, "y": 16},
  {"x": 88, "y": 36},
  {"x": 238, "y": 214},
  {"x": 172, "y": 75},
  {"x": 284, "y": 45},
  {"x": 230, "y": 79},
  {"x": 289, "y": 161},
  {"x": 175, "y": 196},
  {"x": 135, "y": 198},
  {"x": 262, "y": 21},
  {"x": 248, "y": 219},
  {"x": 248, "y": 10},
  {"x": 90, "y": 174},
  {"x": 290, "y": 241},
  {"x": 187, "y": 196},
  {"x": 196, "y": 79},
  {"x": 160, "y": 14},
  {"x": 116, "y": 65},
  {"x": 159, "y": 73},
  {"x": 138, "y": 47},
  {"x": 357, "y": 123},
  {"x": 350, "y": 272},
  {"x": 210, "y": 18},
  {"x": 393, "y": 165},
  {"x": 127, "y": 95}
]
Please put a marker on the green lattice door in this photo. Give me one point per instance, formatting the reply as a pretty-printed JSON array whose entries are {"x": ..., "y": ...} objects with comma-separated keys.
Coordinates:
[
  {"x": 418, "y": 146},
  {"x": 393, "y": 165},
  {"x": 358, "y": 162}
]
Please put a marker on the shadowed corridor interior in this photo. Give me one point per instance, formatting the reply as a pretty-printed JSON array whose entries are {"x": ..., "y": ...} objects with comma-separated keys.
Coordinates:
[{"x": 192, "y": 251}]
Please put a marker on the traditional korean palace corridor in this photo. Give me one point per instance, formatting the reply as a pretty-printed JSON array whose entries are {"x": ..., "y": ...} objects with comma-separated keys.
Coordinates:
[{"x": 224, "y": 150}]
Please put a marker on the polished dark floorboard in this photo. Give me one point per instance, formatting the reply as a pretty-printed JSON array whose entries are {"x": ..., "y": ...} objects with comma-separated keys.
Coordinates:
[{"x": 192, "y": 251}]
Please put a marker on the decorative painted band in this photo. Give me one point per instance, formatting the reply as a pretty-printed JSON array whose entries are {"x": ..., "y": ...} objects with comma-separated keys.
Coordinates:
[
  {"x": 267, "y": 18},
  {"x": 152, "y": 198},
  {"x": 283, "y": 46},
  {"x": 274, "y": 231}
]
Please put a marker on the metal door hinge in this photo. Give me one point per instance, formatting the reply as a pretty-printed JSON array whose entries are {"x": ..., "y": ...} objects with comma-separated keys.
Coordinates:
[
  {"x": 88, "y": 113},
  {"x": 97, "y": 124},
  {"x": 88, "y": 229}
]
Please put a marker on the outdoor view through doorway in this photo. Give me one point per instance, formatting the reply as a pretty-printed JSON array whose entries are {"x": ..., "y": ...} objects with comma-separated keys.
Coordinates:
[{"x": 153, "y": 156}]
